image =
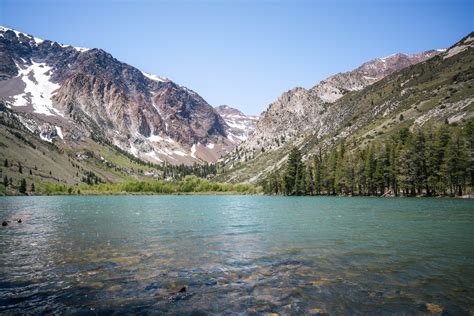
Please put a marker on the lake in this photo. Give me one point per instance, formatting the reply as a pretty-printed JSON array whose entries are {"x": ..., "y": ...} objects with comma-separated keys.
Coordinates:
[{"x": 236, "y": 254}]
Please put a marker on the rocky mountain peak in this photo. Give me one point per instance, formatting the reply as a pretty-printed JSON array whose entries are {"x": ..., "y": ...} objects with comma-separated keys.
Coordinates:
[
  {"x": 227, "y": 110},
  {"x": 89, "y": 93},
  {"x": 240, "y": 124}
]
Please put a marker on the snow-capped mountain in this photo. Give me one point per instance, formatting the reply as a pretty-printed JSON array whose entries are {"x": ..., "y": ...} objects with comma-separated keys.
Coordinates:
[
  {"x": 73, "y": 94},
  {"x": 240, "y": 124}
]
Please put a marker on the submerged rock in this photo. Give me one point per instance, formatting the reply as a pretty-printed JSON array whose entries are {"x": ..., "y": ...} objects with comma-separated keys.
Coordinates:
[
  {"x": 180, "y": 295},
  {"x": 4, "y": 223},
  {"x": 151, "y": 286},
  {"x": 19, "y": 220},
  {"x": 431, "y": 308}
]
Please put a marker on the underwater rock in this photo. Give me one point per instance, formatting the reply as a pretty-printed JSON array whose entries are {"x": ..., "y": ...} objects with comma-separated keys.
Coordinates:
[
  {"x": 19, "y": 220},
  {"x": 151, "y": 286},
  {"x": 4, "y": 223},
  {"x": 180, "y": 295},
  {"x": 431, "y": 308},
  {"x": 317, "y": 312}
]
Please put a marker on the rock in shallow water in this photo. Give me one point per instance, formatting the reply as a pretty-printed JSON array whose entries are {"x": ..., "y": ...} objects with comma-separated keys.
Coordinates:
[
  {"x": 180, "y": 295},
  {"x": 431, "y": 308}
]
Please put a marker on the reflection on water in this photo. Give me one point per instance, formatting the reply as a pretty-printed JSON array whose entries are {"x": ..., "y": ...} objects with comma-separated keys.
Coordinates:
[{"x": 236, "y": 254}]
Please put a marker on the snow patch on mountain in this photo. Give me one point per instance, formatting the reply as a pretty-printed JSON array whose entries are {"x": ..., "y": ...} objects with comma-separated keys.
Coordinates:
[
  {"x": 39, "y": 89},
  {"x": 154, "y": 77},
  {"x": 241, "y": 125},
  {"x": 59, "y": 131}
]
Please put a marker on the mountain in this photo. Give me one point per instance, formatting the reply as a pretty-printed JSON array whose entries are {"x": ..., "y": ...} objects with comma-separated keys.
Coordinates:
[
  {"x": 369, "y": 104},
  {"x": 300, "y": 110},
  {"x": 69, "y": 95},
  {"x": 240, "y": 125}
]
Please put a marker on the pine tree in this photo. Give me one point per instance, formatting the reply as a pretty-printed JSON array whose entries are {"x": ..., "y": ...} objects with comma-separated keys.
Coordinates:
[
  {"x": 468, "y": 133},
  {"x": 339, "y": 172},
  {"x": 309, "y": 180},
  {"x": 378, "y": 177},
  {"x": 22, "y": 188},
  {"x": 330, "y": 179},
  {"x": 406, "y": 174},
  {"x": 20, "y": 168},
  {"x": 350, "y": 173},
  {"x": 360, "y": 173},
  {"x": 32, "y": 189},
  {"x": 274, "y": 184},
  {"x": 318, "y": 173},
  {"x": 293, "y": 171},
  {"x": 370, "y": 165},
  {"x": 418, "y": 157},
  {"x": 300, "y": 181},
  {"x": 5, "y": 181},
  {"x": 393, "y": 167},
  {"x": 5, "y": 164},
  {"x": 456, "y": 164}
]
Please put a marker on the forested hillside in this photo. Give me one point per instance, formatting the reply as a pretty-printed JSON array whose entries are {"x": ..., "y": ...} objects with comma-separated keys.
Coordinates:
[
  {"x": 433, "y": 161},
  {"x": 391, "y": 115}
]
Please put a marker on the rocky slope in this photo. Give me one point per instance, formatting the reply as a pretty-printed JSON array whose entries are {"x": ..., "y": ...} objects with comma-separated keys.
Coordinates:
[
  {"x": 300, "y": 110},
  {"x": 240, "y": 124},
  {"x": 428, "y": 92},
  {"x": 70, "y": 94}
]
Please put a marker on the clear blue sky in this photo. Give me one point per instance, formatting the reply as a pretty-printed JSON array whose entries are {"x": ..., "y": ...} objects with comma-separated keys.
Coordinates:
[{"x": 245, "y": 53}]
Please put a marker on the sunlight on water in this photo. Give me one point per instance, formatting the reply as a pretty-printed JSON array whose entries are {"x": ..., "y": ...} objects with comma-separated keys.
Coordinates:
[{"x": 236, "y": 254}]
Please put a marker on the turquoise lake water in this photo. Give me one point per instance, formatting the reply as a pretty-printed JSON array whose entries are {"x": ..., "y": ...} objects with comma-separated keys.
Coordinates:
[{"x": 236, "y": 254}]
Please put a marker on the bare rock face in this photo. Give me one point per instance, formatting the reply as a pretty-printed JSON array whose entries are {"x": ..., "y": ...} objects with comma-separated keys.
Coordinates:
[
  {"x": 87, "y": 92},
  {"x": 334, "y": 87},
  {"x": 300, "y": 111},
  {"x": 240, "y": 125}
]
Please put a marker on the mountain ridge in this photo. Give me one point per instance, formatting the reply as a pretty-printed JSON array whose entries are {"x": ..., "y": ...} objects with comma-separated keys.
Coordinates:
[
  {"x": 297, "y": 109},
  {"x": 419, "y": 94},
  {"x": 150, "y": 116}
]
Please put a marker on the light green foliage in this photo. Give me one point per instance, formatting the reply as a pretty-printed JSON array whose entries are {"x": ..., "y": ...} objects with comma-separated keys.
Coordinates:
[{"x": 190, "y": 184}]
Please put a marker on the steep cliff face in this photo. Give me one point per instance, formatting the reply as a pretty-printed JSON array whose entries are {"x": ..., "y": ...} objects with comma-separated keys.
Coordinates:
[
  {"x": 299, "y": 111},
  {"x": 88, "y": 93}
]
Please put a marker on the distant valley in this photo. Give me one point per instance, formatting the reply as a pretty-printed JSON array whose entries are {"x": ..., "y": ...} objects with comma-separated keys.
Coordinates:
[{"x": 71, "y": 114}]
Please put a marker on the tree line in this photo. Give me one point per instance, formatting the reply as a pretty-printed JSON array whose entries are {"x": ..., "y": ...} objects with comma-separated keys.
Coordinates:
[{"x": 433, "y": 162}]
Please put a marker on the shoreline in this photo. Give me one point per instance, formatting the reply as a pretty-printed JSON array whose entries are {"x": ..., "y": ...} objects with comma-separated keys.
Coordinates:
[{"x": 233, "y": 193}]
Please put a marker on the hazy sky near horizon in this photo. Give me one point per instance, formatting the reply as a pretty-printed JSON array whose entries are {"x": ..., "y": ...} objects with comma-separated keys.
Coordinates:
[{"x": 244, "y": 53}]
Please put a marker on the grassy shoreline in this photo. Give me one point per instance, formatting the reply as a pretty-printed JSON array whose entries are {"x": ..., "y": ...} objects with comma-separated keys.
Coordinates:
[
  {"x": 190, "y": 185},
  {"x": 228, "y": 193}
]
